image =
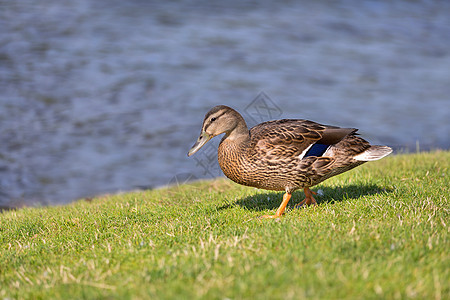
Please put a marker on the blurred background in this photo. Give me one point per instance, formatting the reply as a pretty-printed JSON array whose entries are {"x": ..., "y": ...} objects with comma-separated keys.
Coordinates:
[{"x": 104, "y": 96}]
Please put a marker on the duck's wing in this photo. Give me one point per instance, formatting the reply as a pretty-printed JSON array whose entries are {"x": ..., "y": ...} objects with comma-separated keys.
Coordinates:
[{"x": 288, "y": 138}]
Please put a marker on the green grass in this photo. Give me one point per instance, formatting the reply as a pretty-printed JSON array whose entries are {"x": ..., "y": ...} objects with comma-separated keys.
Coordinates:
[{"x": 380, "y": 231}]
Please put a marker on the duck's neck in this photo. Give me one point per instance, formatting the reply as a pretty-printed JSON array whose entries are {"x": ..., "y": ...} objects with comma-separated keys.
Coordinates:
[
  {"x": 239, "y": 132},
  {"x": 234, "y": 142}
]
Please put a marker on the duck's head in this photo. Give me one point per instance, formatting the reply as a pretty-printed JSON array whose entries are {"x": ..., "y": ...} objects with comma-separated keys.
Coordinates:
[{"x": 220, "y": 119}]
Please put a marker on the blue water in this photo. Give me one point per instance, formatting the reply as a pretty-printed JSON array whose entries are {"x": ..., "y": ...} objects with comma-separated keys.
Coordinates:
[{"x": 106, "y": 96}]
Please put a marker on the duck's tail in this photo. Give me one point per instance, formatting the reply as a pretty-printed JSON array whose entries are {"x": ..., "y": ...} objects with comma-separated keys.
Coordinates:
[{"x": 374, "y": 153}]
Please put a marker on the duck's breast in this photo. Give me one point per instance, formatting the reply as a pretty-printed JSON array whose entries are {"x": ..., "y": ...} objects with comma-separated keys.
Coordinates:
[
  {"x": 233, "y": 162},
  {"x": 239, "y": 164}
]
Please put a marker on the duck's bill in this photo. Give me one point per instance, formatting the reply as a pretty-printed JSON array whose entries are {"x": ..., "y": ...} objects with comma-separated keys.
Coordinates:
[{"x": 202, "y": 140}]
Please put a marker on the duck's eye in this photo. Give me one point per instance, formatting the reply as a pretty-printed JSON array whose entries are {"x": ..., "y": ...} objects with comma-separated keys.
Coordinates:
[{"x": 213, "y": 119}]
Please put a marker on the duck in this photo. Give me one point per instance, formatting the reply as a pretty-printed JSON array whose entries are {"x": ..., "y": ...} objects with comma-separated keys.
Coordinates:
[{"x": 284, "y": 155}]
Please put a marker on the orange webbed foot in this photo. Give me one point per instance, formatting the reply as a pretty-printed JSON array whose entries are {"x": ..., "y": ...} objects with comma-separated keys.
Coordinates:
[
  {"x": 270, "y": 217},
  {"x": 280, "y": 209},
  {"x": 309, "y": 199}
]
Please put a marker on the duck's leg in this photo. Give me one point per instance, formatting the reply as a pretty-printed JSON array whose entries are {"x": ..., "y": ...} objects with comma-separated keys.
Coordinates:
[
  {"x": 280, "y": 210},
  {"x": 309, "y": 199}
]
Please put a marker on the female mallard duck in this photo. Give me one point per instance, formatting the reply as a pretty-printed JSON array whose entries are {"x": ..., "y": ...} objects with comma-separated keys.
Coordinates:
[{"x": 284, "y": 155}]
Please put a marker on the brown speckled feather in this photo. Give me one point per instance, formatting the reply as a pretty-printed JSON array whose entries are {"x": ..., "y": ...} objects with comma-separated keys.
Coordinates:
[{"x": 283, "y": 138}]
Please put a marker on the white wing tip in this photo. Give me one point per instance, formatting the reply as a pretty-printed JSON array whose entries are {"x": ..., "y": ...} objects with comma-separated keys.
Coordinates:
[{"x": 374, "y": 153}]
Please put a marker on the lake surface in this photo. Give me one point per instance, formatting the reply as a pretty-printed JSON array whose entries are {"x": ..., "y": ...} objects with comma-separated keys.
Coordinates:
[{"x": 104, "y": 96}]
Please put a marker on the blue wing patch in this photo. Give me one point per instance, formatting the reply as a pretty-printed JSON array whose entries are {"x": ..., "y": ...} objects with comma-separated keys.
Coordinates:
[{"x": 317, "y": 150}]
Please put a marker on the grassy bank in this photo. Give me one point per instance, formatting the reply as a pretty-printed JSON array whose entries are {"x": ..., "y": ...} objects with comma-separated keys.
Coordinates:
[{"x": 380, "y": 231}]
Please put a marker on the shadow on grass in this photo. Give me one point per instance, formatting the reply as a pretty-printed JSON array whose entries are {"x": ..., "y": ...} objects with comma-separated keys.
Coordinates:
[{"x": 272, "y": 200}]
